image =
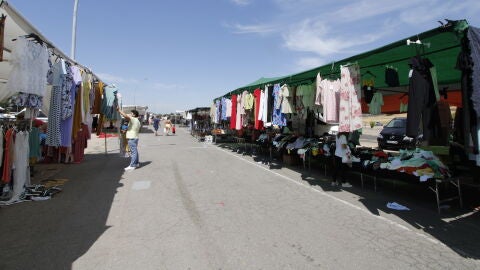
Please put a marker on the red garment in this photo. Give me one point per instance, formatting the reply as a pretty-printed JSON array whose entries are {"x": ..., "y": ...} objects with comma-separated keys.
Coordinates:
[
  {"x": 37, "y": 123},
  {"x": 80, "y": 143},
  {"x": 257, "y": 93},
  {"x": 411, "y": 170},
  {"x": 380, "y": 154},
  {"x": 8, "y": 156},
  {"x": 233, "y": 117}
]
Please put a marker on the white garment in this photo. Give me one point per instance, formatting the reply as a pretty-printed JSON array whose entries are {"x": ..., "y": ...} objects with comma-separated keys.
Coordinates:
[
  {"x": 319, "y": 89},
  {"x": 286, "y": 96},
  {"x": 330, "y": 99},
  {"x": 238, "y": 122},
  {"x": 46, "y": 100},
  {"x": 29, "y": 62},
  {"x": 260, "y": 106},
  {"x": 21, "y": 175},
  {"x": 213, "y": 113},
  {"x": 228, "y": 105},
  {"x": 267, "y": 96},
  {"x": 339, "y": 142}
]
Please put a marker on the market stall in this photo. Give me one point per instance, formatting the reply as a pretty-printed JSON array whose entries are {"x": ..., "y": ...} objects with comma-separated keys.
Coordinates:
[
  {"x": 36, "y": 75},
  {"x": 424, "y": 75}
]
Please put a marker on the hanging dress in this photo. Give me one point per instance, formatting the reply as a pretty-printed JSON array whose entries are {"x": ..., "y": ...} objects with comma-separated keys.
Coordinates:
[
  {"x": 278, "y": 118},
  {"x": 54, "y": 117},
  {"x": 350, "y": 111}
]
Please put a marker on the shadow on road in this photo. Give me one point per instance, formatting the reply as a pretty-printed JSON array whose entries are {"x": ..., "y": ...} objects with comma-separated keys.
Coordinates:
[
  {"x": 53, "y": 234},
  {"x": 461, "y": 232}
]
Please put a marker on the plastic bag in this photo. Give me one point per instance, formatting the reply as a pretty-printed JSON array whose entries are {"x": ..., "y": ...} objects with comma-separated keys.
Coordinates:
[{"x": 347, "y": 157}]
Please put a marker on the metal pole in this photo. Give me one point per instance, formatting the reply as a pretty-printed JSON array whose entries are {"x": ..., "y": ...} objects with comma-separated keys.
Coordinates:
[{"x": 74, "y": 30}]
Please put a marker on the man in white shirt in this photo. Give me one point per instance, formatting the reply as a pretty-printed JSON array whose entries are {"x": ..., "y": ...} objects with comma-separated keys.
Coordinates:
[{"x": 133, "y": 129}]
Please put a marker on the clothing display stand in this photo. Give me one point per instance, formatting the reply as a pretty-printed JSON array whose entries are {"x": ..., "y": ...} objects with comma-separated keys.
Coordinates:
[{"x": 453, "y": 181}]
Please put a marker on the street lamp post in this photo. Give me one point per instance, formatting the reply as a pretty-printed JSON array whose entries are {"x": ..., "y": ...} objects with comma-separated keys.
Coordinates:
[{"x": 74, "y": 30}]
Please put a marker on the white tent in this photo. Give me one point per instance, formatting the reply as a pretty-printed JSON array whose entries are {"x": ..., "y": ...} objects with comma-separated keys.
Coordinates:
[
  {"x": 142, "y": 110},
  {"x": 16, "y": 25}
]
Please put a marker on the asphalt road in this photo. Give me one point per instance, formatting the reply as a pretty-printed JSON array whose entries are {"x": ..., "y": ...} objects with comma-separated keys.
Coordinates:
[{"x": 193, "y": 205}]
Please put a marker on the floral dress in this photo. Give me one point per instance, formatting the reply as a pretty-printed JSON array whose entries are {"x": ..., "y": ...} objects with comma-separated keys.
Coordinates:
[{"x": 350, "y": 111}]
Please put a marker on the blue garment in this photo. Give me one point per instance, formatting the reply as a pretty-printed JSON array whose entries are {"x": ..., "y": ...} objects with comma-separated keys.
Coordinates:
[
  {"x": 224, "y": 109},
  {"x": 156, "y": 123},
  {"x": 279, "y": 118},
  {"x": 218, "y": 110},
  {"x": 134, "y": 160},
  {"x": 34, "y": 143},
  {"x": 110, "y": 103}
]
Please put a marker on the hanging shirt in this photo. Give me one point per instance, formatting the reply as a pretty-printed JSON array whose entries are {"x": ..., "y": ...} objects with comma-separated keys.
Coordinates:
[
  {"x": 29, "y": 61},
  {"x": 375, "y": 106},
  {"x": 391, "y": 77},
  {"x": 213, "y": 112},
  {"x": 248, "y": 103},
  {"x": 330, "y": 100},
  {"x": 305, "y": 99},
  {"x": 286, "y": 97},
  {"x": 228, "y": 106},
  {"x": 223, "y": 112},
  {"x": 238, "y": 122}
]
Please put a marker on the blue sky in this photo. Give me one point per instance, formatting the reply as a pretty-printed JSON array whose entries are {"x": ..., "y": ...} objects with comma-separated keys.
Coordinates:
[{"x": 177, "y": 55}]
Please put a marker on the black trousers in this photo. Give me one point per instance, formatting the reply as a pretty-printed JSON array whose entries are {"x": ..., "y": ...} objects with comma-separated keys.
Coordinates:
[{"x": 339, "y": 169}]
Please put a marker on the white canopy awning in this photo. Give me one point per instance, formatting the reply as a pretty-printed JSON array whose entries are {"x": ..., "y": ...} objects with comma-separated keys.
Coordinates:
[{"x": 16, "y": 25}]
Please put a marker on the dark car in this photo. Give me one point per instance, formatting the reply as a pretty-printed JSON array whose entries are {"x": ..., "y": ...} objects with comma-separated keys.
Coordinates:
[{"x": 393, "y": 135}]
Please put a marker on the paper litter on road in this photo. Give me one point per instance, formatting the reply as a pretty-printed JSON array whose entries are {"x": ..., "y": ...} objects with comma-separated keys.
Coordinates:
[{"x": 397, "y": 206}]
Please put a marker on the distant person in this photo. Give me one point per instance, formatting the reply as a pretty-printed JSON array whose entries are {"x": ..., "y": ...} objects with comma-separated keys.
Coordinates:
[
  {"x": 156, "y": 124},
  {"x": 132, "y": 137},
  {"x": 168, "y": 126},
  {"x": 173, "y": 129}
]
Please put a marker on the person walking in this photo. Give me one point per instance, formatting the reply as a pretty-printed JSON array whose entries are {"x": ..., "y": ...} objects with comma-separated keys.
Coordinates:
[
  {"x": 156, "y": 124},
  {"x": 168, "y": 126},
  {"x": 342, "y": 158},
  {"x": 132, "y": 137}
]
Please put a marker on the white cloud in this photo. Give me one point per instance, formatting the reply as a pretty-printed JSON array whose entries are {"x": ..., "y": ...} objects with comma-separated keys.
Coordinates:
[
  {"x": 306, "y": 63},
  {"x": 241, "y": 2},
  {"x": 317, "y": 37},
  {"x": 438, "y": 11},
  {"x": 110, "y": 78},
  {"x": 253, "y": 29},
  {"x": 362, "y": 10}
]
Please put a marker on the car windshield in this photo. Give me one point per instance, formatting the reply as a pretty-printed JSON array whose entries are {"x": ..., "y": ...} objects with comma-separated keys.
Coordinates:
[{"x": 396, "y": 123}]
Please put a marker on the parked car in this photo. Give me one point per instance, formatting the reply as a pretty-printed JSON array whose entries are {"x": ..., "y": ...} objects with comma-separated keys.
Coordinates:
[{"x": 393, "y": 135}]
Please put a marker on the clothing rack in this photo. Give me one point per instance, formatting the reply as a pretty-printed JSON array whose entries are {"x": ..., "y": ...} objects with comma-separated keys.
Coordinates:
[
  {"x": 389, "y": 90},
  {"x": 38, "y": 39}
]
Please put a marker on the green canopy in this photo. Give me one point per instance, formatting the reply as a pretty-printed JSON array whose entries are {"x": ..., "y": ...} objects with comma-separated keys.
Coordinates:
[{"x": 441, "y": 45}]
